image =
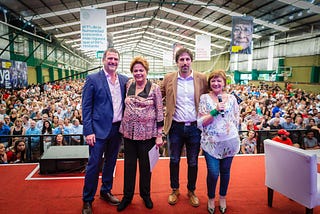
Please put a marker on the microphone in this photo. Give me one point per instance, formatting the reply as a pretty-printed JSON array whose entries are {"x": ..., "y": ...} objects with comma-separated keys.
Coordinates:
[{"x": 220, "y": 101}]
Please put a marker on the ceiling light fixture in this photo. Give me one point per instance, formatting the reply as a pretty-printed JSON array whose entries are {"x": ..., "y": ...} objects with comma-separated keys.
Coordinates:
[
  {"x": 74, "y": 10},
  {"x": 232, "y": 13}
]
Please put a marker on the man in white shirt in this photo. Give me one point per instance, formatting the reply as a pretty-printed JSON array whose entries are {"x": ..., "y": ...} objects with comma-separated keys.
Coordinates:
[
  {"x": 182, "y": 91},
  {"x": 76, "y": 128}
]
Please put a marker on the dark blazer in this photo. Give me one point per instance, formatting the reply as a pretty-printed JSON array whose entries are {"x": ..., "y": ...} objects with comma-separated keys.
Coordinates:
[{"x": 97, "y": 109}]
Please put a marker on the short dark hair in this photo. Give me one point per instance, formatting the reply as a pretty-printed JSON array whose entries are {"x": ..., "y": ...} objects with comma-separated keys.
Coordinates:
[
  {"x": 112, "y": 50},
  {"x": 181, "y": 51}
]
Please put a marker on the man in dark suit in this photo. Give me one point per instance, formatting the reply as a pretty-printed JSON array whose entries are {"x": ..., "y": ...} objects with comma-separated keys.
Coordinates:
[{"x": 102, "y": 110}]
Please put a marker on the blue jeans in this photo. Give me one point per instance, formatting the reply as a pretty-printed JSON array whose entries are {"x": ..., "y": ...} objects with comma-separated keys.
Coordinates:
[
  {"x": 180, "y": 135},
  {"x": 110, "y": 148},
  {"x": 214, "y": 168}
]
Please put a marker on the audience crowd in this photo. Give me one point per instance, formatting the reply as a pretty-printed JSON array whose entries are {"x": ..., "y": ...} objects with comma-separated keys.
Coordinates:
[{"x": 55, "y": 108}]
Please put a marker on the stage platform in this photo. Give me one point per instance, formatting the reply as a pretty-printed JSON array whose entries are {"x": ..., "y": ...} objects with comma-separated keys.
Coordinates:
[{"x": 24, "y": 190}]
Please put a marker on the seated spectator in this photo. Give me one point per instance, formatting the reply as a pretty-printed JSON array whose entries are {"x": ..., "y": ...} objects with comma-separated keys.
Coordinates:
[
  {"x": 253, "y": 116},
  {"x": 7, "y": 121},
  {"x": 288, "y": 125},
  {"x": 312, "y": 125},
  {"x": 283, "y": 137},
  {"x": 61, "y": 129},
  {"x": 17, "y": 128},
  {"x": 4, "y": 130},
  {"x": 25, "y": 121},
  {"x": 317, "y": 118},
  {"x": 316, "y": 128},
  {"x": 277, "y": 117},
  {"x": 55, "y": 122},
  {"x": 68, "y": 114},
  {"x": 299, "y": 122},
  {"x": 3, "y": 155},
  {"x": 249, "y": 144},
  {"x": 76, "y": 128},
  {"x": 35, "y": 141},
  {"x": 76, "y": 115},
  {"x": 251, "y": 125},
  {"x": 17, "y": 153},
  {"x": 46, "y": 130},
  {"x": 276, "y": 124},
  {"x": 13, "y": 115},
  {"x": 40, "y": 122},
  {"x": 277, "y": 109},
  {"x": 59, "y": 140},
  {"x": 66, "y": 122},
  {"x": 309, "y": 141},
  {"x": 264, "y": 125},
  {"x": 259, "y": 109},
  {"x": 59, "y": 113}
]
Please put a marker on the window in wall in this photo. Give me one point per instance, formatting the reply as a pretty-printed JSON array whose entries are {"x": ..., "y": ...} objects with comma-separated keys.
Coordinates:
[
  {"x": 39, "y": 52},
  {"x": 50, "y": 51},
  {"x": 66, "y": 58},
  {"x": 4, "y": 41},
  {"x": 72, "y": 62},
  {"x": 59, "y": 56},
  {"x": 21, "y": 46}
]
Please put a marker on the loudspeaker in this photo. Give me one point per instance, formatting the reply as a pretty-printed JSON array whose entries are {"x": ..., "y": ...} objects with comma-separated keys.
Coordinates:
[{"x": 64, "y": 159}]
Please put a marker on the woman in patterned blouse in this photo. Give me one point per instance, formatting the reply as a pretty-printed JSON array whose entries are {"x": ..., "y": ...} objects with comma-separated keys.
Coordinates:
[
  {"x": 141, "y": 127},
  {"x": 218, "y": 118}
]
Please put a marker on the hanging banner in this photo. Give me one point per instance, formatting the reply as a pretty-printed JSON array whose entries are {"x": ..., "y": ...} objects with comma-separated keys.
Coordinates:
[
  {"x": 242, "y": 30},
  {"x": 13, "y": 74},
  {"x": 203, "y": 47},
  {"x": 93, "y": 29}
]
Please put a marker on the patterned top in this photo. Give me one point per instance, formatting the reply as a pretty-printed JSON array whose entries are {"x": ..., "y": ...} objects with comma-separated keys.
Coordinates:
[
  {"x": 249, "y": 145},
  {"x": 220, "y": 138},
  {"x": 143, "y": 113}
]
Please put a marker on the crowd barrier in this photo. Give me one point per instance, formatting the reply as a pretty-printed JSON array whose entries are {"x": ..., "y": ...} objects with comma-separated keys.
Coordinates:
[{"x": 34, "y": 154}]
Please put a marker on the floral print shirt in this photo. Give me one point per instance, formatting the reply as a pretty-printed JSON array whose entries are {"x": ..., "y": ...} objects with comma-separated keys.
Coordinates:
[
  {"x": 220, "y": 138},
  {"x": 143, "y": 113},
  {"x": 249, "y": 145}
]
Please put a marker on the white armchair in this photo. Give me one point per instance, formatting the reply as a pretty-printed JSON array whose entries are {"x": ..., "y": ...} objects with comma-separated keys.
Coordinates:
[{"x": 292, "y": 172}]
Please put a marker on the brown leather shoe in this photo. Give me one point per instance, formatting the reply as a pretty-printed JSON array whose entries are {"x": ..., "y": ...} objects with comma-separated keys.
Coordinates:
[
  {"x": 194, "y": 200},
  {"x": 111, "y": 199},
  {"x": 87, "y": 208},
  {"x": 173, "y": 197}
]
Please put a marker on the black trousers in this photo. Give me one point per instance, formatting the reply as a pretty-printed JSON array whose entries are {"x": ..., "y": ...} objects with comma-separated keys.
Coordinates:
[{"x": 134, "y": 150}]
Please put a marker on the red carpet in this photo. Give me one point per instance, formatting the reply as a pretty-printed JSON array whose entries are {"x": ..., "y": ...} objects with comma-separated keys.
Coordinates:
[{"x": 247, "y": 192}]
